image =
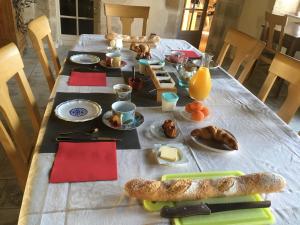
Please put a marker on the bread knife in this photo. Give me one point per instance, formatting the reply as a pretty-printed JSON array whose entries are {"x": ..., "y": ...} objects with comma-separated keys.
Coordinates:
[{"x": 207, "y": 209}]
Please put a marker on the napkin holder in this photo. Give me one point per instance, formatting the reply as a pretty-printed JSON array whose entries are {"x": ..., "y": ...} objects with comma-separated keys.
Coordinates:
[{"x": 160, "y": 84}]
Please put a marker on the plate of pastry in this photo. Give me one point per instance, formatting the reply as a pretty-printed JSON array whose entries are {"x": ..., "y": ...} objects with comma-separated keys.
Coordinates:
[
  {"x": 172, "y": 154},
  {"x": 215, "y": 139},
  {"x": 165, "y": 129},
  {"x": 85, "y": 59}
]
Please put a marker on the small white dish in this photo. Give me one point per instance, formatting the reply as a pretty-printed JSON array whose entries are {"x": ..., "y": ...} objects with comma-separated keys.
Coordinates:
[
  {"x": 158, "y": 132},
  {"x": 85, "y": 59},
  {"x": 212, "y": 145},
  {"x": 182, "y": 151},
  {"x": 78, "y": 110}
]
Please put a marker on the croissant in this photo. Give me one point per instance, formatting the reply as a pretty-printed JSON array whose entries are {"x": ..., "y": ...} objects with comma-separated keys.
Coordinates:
[{"x": 218, "y": 134}]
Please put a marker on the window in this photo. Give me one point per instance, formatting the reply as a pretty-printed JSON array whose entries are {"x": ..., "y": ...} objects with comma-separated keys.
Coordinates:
[
  {"x": 77, "y": 17},
  {"x": 192, "y": 15}
]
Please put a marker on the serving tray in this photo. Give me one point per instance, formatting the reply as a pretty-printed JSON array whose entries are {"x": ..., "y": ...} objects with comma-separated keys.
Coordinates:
[{"x": 244, "y": 217}]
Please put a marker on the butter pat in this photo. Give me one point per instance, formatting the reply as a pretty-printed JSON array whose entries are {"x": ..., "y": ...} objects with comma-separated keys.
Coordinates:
[{"x": 169, "y": 153}]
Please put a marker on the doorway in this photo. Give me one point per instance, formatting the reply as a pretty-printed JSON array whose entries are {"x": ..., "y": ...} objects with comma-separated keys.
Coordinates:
[{"x": 195, "y": 22}]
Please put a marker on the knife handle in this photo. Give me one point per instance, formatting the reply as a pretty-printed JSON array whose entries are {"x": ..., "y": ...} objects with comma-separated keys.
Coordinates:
[
  {"x": 238, "y": 205},
  {"x": 183, "y": 211}
]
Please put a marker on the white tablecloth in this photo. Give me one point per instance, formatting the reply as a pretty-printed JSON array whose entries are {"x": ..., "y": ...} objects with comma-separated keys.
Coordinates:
[{"x": 266, "y": 144}]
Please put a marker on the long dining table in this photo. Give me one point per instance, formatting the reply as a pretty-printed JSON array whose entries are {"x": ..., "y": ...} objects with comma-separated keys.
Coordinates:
[{"x": 266, "y": 144}]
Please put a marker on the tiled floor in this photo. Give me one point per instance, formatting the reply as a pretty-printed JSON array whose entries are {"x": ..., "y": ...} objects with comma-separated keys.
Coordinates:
[{"x": 10, "y": 194}]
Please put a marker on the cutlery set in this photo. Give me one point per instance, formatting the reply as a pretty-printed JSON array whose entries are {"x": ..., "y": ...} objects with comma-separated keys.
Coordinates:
[{"x": 83, "y": 136}]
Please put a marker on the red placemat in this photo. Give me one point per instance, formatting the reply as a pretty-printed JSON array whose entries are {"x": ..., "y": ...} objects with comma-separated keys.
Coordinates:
[
  {"x": 87, "y": 79},
  {"x": 190, "y": 53},
  {"x": 85, "y": 161}
]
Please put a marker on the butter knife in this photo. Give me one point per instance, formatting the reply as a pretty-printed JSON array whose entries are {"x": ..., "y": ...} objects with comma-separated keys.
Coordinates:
[{"x": 207, "y": 209}]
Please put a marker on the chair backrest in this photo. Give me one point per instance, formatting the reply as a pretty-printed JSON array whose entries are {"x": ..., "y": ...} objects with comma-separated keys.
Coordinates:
[
  {"x": 247, "y": 50},
  {"x": 271, "y": 21},
  {"x": 15, "y": 141},
  {"x": 39, "y": 29},
  {"x": 287, "y": 68},
  {"x": 126, "y": 13}
]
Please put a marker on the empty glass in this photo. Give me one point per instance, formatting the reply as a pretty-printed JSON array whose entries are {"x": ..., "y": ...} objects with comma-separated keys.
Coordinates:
[{"x": 123, "y": 92}]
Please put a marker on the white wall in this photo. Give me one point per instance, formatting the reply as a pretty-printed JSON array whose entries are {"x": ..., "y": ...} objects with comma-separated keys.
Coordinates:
[{"x": 283, "y": 7}]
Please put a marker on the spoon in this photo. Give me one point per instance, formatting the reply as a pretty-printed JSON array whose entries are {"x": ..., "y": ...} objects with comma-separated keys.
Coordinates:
[
  {"x": 133, "y": 70},
  {"x": 89, "y": 132}
]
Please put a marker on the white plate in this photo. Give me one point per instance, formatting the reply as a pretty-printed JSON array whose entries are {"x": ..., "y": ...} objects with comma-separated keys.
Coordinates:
[
  {"x": 182, "y": 151},
  {"x": 139, "y": 119},
  {"x": 78, "y": 110},
  {"x": 158, "y": 132},
  {"x": 212, "y": 145},
  {"x": 85, "y": 59}
]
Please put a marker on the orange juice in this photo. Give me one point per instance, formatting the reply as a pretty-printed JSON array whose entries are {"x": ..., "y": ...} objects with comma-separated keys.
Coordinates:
[{"x": 200, "y": 84}]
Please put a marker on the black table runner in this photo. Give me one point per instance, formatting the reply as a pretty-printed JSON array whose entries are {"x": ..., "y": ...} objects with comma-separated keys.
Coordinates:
[
  {"x": 69, "y": 65},
  {"x": 55, "y": 125}
]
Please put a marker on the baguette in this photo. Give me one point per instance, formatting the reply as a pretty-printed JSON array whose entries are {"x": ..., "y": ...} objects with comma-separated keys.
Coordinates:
[{"x": 187, "y": 189}]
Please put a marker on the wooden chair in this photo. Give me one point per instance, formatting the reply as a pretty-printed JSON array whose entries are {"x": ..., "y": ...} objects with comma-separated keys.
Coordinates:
[
  {"x": 126, "y": 13},
  {"x": 247, "y": 50},
  {"x": 287, "y": 68},
  {"x": 271, "y": 21},
  {"x": 39, "y": 29},
  {"x": 14, "y": 140}
]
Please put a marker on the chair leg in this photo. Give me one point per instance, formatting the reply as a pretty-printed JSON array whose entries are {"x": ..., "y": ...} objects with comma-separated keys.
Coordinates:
[{"x": 251, "y": 70}]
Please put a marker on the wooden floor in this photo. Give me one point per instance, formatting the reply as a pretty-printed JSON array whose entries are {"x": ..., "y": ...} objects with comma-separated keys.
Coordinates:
[{"x": 10, "y": 195}]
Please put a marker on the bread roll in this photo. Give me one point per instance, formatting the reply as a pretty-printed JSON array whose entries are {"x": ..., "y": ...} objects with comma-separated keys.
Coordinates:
[
  {"x": 187, "y": 189},
  {"x": 111, "y": 36}
]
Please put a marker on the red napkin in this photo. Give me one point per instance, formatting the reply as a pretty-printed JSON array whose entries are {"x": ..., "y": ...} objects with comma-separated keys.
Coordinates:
[
  {"x": 84, "y": 161},
  {"x": 190, "y": 53},
  {"x": 87, "y": 79}
]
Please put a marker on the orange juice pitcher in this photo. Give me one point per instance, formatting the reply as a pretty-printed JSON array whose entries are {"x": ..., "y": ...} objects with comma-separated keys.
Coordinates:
[{"x": 200, "y": 83}]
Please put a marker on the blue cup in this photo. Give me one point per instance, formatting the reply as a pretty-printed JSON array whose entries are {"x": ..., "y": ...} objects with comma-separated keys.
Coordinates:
[{"x": 125, "y": 111}]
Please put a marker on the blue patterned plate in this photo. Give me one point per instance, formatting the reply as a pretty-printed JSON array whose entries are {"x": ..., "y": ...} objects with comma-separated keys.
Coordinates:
[{"x": 78, "y": 110}]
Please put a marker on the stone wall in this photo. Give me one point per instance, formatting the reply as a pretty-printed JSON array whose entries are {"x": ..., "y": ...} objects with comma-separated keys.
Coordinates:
[
  {"x": 252, "y": 16},
  {"x": 164, "y": 17},
  {"x": 226, "y": 15}
]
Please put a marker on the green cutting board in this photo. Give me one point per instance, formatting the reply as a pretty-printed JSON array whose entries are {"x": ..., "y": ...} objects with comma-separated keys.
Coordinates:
[{"x": 235, "y": 217}]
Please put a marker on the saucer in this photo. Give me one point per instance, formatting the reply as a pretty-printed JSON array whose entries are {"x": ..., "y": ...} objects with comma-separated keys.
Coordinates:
[
  {"x": 139, "y": 119},
  {"x": 103, "y": 64}
]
